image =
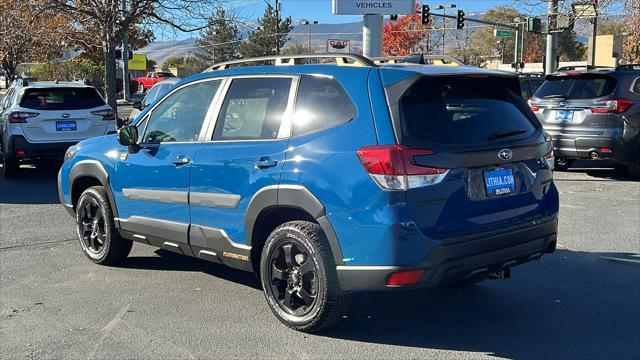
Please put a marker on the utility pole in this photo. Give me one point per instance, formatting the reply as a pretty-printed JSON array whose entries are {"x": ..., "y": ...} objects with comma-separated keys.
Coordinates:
[
  {"x": 125, "y": 58},
  {"x": 552, "y": 39},
  {"x": 444, "y": 22},
  {"x": 591, "y": 56},
  {"x": 277, "y": 27}
]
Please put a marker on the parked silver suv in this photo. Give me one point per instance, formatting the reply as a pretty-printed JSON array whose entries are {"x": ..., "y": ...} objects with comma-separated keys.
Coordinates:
[{"x": 592, "y": 113}]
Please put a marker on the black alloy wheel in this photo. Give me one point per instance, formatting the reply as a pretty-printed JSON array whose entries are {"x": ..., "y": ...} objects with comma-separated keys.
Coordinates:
[
  {"x": 92, "y": 226},
  {"x": 299, "y": 277},
  {"x": 293, "y": 275},
  {"x": 99, "y": 239}
]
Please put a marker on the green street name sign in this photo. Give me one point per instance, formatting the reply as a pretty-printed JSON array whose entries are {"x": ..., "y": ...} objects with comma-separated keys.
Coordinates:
[{"x": 502, "y": 33}]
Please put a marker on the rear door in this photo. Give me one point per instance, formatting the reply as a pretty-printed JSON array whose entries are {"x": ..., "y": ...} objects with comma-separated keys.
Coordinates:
[
  {"x": 479, "y": 131},
  {"x": 244, "y": 152},
  {"x": 64, "y": 114}
]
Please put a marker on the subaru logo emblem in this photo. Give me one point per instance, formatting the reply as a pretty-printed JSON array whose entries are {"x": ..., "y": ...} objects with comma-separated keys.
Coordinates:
[
  {"x": 562, "y": 104},
  {"x": 505, "y": 154},
  {"x": 65, "y": 116}
]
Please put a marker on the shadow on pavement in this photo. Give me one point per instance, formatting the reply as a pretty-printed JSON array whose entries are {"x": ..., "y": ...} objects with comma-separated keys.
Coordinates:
[
  {"x": 600, "y": 169},
  {"x": 574, "y": 305},
  {"x": 33, "y": 185},
  {"x": 169, "y": 261}
]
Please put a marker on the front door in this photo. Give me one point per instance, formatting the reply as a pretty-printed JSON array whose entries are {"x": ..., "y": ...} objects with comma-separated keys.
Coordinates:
[
  {"x": 151, "y": 185},
  {"x": 244, "y": 153}
]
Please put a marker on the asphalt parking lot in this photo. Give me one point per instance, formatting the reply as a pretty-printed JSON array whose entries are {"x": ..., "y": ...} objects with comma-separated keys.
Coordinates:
[{"x": 581, "y": 302}]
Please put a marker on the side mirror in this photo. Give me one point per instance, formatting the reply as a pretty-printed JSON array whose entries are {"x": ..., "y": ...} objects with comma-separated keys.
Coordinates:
[
  {"x": 122, "y": 122},
  {"x": 128, "y": 136},
  {"x": 138, "y": 105}
]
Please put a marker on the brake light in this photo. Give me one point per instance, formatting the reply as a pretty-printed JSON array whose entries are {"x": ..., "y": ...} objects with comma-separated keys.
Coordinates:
[
  {"x": 404, "y": 278},
  {"x": 18, "y": 117},
  {"x": 612, "y": 106},
  {"x": 392, "y": 167},
  {"x": 533, "y": 107},
  {"x": 107, "y": 115}
]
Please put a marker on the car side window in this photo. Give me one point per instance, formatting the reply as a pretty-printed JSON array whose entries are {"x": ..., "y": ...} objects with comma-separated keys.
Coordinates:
[
  {"x": 636, "y": 86},
  {"x": 321, "y": 103},
  {"x": 151, "y": 96},
  {"x": 179, "y": 117},
  {"x": 253, "y": 108}
]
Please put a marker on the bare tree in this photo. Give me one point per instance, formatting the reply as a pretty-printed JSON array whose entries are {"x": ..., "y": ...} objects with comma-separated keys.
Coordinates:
[
  {"x": 28, "y": 33},
  {"x": 109, "y": 20}
]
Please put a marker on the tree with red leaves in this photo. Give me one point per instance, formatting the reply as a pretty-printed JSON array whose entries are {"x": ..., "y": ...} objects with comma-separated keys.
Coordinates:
[{"x": 401, "y": 37}]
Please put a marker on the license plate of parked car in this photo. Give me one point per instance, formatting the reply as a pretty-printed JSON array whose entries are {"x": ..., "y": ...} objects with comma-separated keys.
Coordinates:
[
  {"x": 499, "y": 181},
  {"x": 564, "y": 116},
  {"x": 66, "y": 126}
]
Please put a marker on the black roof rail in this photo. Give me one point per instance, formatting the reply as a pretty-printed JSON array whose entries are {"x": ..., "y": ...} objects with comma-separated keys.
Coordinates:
[
  {"x": 284, "y": 60},
  {"x": 628, "y": 67},
  {"x": 583, "y": 67}
]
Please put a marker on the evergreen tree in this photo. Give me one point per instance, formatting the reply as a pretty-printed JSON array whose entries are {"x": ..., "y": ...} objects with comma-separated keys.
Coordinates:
[
  {"x": 262, "y": 42},
  {"x": 222, "y": 29}
]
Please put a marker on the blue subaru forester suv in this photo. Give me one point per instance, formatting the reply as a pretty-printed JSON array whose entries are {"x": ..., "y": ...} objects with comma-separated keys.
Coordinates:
[{"x": 325, "y": 175}]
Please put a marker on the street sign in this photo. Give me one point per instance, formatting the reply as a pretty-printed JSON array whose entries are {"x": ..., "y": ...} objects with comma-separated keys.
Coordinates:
[
  {"x": 139, "y": 62},
  {"x": 373, "y": 7},
  {"x": 502, "y": 33},
  {"x": 338, "y": 46}
]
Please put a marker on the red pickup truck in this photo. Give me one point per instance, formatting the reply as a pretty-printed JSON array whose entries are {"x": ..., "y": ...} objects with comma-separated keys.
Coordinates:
[{"x": 146, "y": 82}]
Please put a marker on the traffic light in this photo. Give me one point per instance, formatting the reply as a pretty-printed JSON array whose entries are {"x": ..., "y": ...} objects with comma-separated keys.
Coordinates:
[
  {"x": 119, "y": 54},
  {"x": 460, "y": 20},
  {"x": 534, "y": 24},
  {"x": 426, "y": 14}
]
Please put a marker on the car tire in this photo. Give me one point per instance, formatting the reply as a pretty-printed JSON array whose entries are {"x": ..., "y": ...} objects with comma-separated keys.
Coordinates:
[
  {"x": 299, "y": 278},
  {"x": 562, "y": 164},
  {"x": 634, "y": 169},
  {"x": 99, "y": 239},
  {"x": 141, "y": 89},
  {"x": 10, "y": 166}
]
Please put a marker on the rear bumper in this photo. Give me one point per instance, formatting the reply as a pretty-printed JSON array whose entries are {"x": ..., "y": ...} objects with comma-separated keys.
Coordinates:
[
  {"x": 18, "y": 144},
  {"x": 467, "y": 257},
  {"x": 622, "y": 150}
]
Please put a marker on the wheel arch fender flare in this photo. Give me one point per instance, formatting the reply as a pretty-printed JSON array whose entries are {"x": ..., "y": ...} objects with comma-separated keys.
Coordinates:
[
  {"x": 93, "y": 169},
  {"x": 293, "y": 196}
]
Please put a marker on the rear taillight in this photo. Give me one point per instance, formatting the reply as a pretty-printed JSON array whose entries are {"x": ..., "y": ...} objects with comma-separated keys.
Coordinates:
[
  {"x": 18, "y": 117},
  {"x": 612, "y": 106},
  {"x": 107, "y": 115},
  {"x": 392, "y": 167},
  {"x": 549, "y": 158},
  {"x": 533, "y": 107}
]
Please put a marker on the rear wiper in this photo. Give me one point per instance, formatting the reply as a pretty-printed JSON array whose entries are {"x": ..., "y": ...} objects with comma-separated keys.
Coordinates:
[
  {"x": 506, "y": 133},
  {"x": 555, "y": 96}
]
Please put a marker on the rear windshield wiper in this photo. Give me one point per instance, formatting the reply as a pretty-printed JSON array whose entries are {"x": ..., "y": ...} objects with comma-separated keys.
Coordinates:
[
  {"x": 506, "y": 133},
  {"x": 555, "y": 96}
]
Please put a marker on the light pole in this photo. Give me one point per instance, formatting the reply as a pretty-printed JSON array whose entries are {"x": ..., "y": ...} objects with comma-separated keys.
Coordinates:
[
  {"x": 589, "y": 9},
  {"x": 277, "y": 27},
  {"x": 213, "y": 46},
  {"x": 444, "y": 22},
  {"x": 309, "y": 23}
]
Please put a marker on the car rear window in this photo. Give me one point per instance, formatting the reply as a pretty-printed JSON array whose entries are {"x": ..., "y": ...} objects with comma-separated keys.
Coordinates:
[
  {"x": 457, "y": 111},
  {"x": 61, "y": 99},
  {"x": 165, "y": 74},
  {"x": 588, "y": 86}
]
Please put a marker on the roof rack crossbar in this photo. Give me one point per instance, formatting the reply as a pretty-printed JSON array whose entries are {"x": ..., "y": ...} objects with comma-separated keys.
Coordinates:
[
  {"x": 282, "y": 60},
  {"x": 417, "y": 59}
]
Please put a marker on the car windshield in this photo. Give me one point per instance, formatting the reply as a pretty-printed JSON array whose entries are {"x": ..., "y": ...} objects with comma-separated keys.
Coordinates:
[
  {"x": 577, "y": 87},
  {"x": 61, "y": 99}
]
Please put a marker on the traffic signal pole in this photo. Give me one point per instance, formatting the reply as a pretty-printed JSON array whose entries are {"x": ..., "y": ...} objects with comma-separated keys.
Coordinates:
[
  {"x": 125, "y": 58},
  {"x": 552, "y": 39}
]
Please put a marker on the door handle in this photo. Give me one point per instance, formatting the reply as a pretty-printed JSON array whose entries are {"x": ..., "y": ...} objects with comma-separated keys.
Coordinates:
[
  {"x": 181, "y": 160},
  {"x": 265, "y": 163}
]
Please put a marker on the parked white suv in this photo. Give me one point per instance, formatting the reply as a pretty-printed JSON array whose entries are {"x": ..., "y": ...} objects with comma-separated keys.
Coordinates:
[{"x": 41, "y": 120}]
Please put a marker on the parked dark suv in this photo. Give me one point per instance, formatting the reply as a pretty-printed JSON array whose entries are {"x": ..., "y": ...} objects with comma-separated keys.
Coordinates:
[{"x": 592, "y": 113}]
